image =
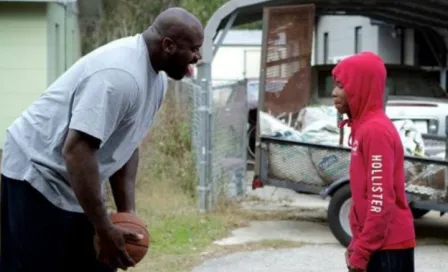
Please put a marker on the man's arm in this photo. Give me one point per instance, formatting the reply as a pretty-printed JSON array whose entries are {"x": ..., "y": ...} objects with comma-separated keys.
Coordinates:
[
  {"x": 79, "y": 152},
  {"x": 378, "y": 152},
  {"x": 100, "y": 103},
  {"x": 123, "y": 185}
]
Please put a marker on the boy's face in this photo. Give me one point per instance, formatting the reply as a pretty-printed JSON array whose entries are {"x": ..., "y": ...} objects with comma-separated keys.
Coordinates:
[{"x": 339, "y": 98}]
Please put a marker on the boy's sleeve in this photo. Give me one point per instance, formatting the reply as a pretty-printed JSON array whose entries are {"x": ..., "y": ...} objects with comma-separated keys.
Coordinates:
[
  {"x": 378, "y": 156},
  {"x": 101, "y": 102}
]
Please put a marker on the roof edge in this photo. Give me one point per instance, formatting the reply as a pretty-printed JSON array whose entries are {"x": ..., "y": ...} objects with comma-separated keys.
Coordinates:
[
  {"x": 216, "y": 19},
  {"x": 42, "y": 1}
]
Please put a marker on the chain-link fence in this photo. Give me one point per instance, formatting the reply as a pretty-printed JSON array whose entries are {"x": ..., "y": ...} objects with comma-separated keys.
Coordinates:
[
  {"x": 191, "y": 100},
  {"x": 200, "y": 112},
  {"x": 229, "y": 147},
  {"x": 218, "y": 135}
]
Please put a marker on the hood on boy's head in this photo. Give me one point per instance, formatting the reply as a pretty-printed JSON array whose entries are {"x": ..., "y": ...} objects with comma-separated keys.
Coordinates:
[{"x": 363, "y": 78}]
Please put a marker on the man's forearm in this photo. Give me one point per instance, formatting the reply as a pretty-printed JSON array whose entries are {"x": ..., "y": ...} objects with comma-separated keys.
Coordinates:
[
  {"x": 85, "y": 181},
  {"x": 123, "y": 185}
]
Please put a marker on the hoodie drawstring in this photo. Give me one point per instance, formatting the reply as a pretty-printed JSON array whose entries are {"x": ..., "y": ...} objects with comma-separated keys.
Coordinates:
[{"x": 347, "y": 122}]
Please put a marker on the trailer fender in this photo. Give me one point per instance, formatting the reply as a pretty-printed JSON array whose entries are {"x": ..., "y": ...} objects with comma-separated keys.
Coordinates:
[{"x": 333, "y": 187}]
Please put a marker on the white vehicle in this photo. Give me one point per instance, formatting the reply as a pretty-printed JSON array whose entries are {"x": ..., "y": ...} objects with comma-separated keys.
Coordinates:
[
  {"x": 413, "y": 94},
  {"x": 429, "y": 114}
]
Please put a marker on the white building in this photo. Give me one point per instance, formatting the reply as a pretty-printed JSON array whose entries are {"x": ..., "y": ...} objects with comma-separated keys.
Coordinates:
[
  {"x": 238, "y": 56},
  {"x": 339, "y": 36}
]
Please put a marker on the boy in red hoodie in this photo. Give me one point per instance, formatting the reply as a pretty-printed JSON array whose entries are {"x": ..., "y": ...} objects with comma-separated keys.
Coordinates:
[{"x": 380, "y": 218}]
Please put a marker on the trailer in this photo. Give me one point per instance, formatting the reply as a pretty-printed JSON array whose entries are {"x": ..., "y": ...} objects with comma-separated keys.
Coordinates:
[{"x": 426, "y": 187}]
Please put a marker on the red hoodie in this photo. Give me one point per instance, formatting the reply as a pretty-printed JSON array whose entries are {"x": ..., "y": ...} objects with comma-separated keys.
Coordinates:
[{"x": 380, "y": 217}]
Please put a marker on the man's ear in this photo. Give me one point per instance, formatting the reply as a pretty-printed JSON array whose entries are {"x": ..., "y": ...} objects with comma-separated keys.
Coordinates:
[{"x": 168, "y": 46}]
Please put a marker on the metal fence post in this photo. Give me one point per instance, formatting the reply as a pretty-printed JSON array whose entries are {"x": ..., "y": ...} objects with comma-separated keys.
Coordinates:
[
  {"x": 209, "y": 143},
  {"x": 203, "y": 111}
]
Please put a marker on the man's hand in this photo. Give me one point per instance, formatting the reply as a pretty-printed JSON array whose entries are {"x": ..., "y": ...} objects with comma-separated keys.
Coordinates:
[{"x": 112, "y": 246}]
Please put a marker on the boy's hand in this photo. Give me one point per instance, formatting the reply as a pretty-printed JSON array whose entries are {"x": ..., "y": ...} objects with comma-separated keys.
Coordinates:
[
  {"x": 354, "y": 269},
  {"x": 348, "y": 253},
  {"x": 351, "y": 269},
  {"x": 347, "y": 256}
]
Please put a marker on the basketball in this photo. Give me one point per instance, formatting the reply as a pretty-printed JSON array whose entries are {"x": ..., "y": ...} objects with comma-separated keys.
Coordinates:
[{"x": 136, "y": 249}]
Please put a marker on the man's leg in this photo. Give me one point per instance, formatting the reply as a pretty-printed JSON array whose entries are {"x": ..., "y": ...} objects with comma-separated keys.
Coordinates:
[
  {"x": 6, "y": 249},
  {"x": 44, "y": 237},
  {"x": 35, "y": 228},
  {"x": 401, "y": 260}
]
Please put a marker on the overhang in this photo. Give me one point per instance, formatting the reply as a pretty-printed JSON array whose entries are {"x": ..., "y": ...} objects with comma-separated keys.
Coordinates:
[
  {"x": 430, "y": 14},
  {"x": 43, "y": 1}
]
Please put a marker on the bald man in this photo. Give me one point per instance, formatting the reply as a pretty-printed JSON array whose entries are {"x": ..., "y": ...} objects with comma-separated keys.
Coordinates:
[{"x": 85, "y": 129}]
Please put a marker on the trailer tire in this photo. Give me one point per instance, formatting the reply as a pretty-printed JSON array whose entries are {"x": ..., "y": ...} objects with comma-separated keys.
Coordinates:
[
  {"x": 251, "y": 139},
  {"x": 418, "y": 213},
  {"x": 337, "y": 215}
]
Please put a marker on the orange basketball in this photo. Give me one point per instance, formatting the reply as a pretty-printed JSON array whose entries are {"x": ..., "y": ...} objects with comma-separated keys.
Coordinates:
[{"x": 136, "y": 249}]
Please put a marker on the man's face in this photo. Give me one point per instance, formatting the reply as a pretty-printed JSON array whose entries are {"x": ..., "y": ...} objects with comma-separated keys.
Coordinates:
[
  {"x": 339, "y": 99},
  {"x": 184, "y": 54}
]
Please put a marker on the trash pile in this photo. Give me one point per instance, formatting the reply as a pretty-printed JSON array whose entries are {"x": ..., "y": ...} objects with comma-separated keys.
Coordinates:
[{"x": 320, "y": 167}]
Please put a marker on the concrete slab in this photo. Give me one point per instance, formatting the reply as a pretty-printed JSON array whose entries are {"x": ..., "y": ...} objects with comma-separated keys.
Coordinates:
[
  {"x": 273, "y": 197},
  {"x": 296, "y": 231},
  {"x": 311, "y": 258}
]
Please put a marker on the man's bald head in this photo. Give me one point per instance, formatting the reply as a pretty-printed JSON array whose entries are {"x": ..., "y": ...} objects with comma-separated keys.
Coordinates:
[
  {"x": 177, "y": 23},
  {"x": 175, "y": 37}
]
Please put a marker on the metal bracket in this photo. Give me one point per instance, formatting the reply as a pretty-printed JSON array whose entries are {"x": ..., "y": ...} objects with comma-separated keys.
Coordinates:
[
  {"x": 228, "y": 26},
  {"x": 203, "y": 188}
]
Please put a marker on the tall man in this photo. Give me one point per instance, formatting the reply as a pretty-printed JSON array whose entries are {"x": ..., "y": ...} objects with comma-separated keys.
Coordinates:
[
  {"x": 85, "y": 129},
  {"x": 380, "y": 218}
]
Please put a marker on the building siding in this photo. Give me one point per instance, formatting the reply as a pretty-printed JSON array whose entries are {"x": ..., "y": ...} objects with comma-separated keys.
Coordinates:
[
  {"x": 63, "y": 40},
  {"x": 379, "y": 38},
  {"x": 389, "y": 45},
  {"x": 38, "y": 42},
  {"x": 23, "y": 59},
  {"x": 341, "y": 36},
  {"x": 233, "y": 63}
]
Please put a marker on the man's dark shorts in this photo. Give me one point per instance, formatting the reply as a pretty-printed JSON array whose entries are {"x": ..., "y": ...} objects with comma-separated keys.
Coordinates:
[{"x": 36, "y": 236}]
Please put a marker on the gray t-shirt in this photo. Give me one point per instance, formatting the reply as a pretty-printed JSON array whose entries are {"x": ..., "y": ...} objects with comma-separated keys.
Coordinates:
[{"x": 113, "y": 94}]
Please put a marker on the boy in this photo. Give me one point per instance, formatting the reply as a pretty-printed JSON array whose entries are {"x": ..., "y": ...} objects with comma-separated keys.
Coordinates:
[{"x": 380, "y": 218}]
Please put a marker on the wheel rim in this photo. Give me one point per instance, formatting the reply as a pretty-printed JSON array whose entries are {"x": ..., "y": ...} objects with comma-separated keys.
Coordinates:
[
  {"x": 343, "y": 216},
  {"x": 249, "y": 133}
]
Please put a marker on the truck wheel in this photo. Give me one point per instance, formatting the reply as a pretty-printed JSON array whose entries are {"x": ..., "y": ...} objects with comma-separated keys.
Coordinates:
[
  {"x": 418, "y": 213},
  {"x": 338, "y": 215}
]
